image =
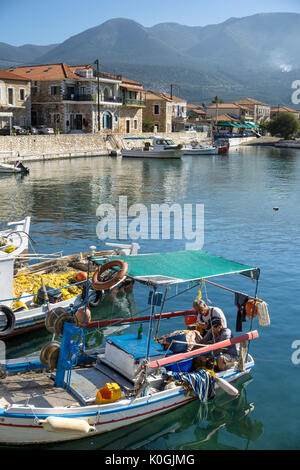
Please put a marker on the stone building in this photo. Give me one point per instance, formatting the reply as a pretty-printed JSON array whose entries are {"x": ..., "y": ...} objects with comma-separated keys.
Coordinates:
[
  {"x": 215, "y": 110},
  {"x": 131, "y": 112},
  {"x": 254, "y": 110},
  {"x": 70, "y": 98},
  {"x": 167, "y": 113},
  {"x": 15, "y": 102},
  {"x": 275, "y": 111}
]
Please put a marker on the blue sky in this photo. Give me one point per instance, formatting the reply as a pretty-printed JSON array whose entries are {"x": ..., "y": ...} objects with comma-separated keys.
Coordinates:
[{"x": 52, "y": 21}]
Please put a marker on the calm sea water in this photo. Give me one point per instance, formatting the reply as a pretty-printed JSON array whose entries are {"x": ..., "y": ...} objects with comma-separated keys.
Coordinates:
[{"x": 239, "y": 192}]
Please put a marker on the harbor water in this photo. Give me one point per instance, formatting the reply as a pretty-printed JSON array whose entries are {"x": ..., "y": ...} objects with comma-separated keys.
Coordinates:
[{"x": 239, "y": 192}]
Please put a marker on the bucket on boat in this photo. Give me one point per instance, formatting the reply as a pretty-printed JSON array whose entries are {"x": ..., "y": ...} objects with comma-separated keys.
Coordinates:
[{"x": 108, "y": 394}]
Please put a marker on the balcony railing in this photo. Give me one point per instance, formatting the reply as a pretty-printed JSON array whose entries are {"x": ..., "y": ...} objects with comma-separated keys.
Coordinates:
[
  {"x": 75, "y": 97},
  {"x": 111, "y": 99},
  {"x": 129, "y": 102}
]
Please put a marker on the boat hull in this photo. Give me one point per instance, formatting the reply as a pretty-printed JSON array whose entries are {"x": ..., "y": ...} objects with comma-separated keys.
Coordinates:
[
  {"x": 21, "y": 425},
  {"x": 136, "y": 153},
  {"x": 7, "y": 169},
  {"x": 199, "y": 151}
]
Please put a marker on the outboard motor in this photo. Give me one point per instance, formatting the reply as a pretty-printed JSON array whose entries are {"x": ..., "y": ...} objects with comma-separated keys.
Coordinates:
[{"x": 23, "y": 168}]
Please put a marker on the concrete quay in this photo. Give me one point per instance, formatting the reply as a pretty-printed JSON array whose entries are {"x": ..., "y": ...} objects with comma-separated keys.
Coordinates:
[{"x": 63, "y": 146}]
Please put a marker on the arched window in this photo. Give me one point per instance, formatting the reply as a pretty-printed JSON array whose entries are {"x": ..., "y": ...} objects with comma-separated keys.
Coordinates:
[{"x": 107, "y": 120}]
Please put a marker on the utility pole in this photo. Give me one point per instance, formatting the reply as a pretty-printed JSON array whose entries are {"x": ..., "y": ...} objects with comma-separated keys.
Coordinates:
[{"x": 98, "y": 93}]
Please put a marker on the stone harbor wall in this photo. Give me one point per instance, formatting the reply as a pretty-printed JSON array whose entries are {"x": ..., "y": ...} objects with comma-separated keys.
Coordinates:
[{"x": 47, "y": 147}]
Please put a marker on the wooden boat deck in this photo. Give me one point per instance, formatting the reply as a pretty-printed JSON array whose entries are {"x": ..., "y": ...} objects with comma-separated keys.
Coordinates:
[{"x": 35, "y": 389}]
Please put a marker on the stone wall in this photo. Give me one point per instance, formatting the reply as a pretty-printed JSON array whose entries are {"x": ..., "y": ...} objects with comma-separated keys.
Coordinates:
[{"x": 44, "y": 147}]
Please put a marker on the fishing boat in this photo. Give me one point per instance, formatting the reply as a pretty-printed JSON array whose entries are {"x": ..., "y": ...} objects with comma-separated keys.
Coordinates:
[
  {"x": 223, "y": 145},
  {"x": 6, "y": 168},
  {"x": 134, "y": 377},
  {"x": 28, "y": 294},
  {"x": 199, "y": 150},
  {"x": 14, "y": 240},
  {"x": 159, "y": 148}
]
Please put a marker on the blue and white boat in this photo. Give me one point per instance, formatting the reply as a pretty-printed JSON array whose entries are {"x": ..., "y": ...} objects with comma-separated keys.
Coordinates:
[{"x": 128, "y": 380}]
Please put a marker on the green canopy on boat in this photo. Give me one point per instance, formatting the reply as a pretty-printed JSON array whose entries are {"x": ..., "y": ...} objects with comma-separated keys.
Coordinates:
[{"x": 179, "y": 267}]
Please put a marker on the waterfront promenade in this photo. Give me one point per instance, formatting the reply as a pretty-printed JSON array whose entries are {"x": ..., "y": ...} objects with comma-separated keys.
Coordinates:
[{"x": 50, "y": 147}]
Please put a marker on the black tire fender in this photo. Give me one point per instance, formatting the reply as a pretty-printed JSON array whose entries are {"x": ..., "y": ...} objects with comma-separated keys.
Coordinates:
[
  {"x": 10, "y": 320},
  {"x": 98, "y": 294}
]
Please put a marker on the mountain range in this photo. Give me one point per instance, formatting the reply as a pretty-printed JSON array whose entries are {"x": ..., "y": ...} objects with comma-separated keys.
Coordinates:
[{"x": 256, "y": 56}]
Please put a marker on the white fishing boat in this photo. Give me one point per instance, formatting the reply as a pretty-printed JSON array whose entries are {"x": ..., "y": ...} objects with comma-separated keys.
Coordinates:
[
  {"x": 45, "y": 287},
  {"x": 14, "y": 240},
  {"x": 159, "y": 148},
  {"x": 6, "y": 168},
  {"x": 133, "y": 377},
  {"x": 198, "y": 150}
]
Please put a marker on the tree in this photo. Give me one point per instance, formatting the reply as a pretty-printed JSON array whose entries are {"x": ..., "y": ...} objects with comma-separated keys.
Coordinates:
[
  {"x": 217, "y": 100},
  {"x": 147, "y": 125},
  {"x": 285, "y": 124}
]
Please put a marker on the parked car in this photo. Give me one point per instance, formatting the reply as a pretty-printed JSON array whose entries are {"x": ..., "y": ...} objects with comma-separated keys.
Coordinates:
[
  {"x": 31, "y": 130},
  {"x": 45, "y": 130},
  {"x": 15, "y": 130}
]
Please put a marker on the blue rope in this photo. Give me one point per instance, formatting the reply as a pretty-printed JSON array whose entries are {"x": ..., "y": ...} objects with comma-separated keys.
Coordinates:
[{"x": 32, "y": 295}]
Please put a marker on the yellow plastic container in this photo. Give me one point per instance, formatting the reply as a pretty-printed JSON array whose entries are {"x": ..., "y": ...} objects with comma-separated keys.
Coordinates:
[
  {"x": 108, "y": 394},
  {"x": 10, "y": 249}
]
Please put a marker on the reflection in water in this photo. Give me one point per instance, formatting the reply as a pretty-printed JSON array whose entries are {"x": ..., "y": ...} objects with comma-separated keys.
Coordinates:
[{"x": 239, "y": 192}]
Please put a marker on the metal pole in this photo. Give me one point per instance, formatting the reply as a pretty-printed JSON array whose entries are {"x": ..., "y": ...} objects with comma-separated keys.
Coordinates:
[
  {"x": 98, "y": 93},
  {"x": 153, "y": 302}
]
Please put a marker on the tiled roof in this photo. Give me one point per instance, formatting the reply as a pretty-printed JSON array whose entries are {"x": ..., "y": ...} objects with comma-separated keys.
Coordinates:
[
  {"x": 281, "y": 109},
  {"x": 165, "y": 96},
  {"x": 45, "y": 72},
  {"x": 249, "y": 101},
  {"x": 198, "y": 111},
  {"x": 223, "y": 106},
  {"x": 193, "y": 106},
  {"x": 131, "y": 82},
  {"x": 171, "y": 98},
  {"x": 4, "y": 75}
]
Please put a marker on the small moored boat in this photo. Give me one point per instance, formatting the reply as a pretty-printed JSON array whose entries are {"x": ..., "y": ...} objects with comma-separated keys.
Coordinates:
[
  {"x": 198, "y": 150},
  {"x": 28, "y": 294},
  {"x": 160, "y": 148},
  {"x": 6, "y": 168}
]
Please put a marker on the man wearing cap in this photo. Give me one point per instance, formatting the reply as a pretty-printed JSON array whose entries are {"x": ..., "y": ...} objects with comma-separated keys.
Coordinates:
[
  {"x": 205, "y": 315},
  {"x": 225, "y": 357}
]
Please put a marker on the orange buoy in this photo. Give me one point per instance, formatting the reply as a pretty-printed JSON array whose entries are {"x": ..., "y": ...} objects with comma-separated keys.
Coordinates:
[
  {"x": 249, "y": 309},
  {"x": 80, "y": 316},
  {"x": 82, "y": 276}
]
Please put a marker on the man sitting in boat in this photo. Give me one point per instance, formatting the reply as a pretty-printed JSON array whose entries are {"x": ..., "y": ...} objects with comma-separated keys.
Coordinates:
[
  {"x": 227, "y": 357},
  {"x": 205, "y": 315}
]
